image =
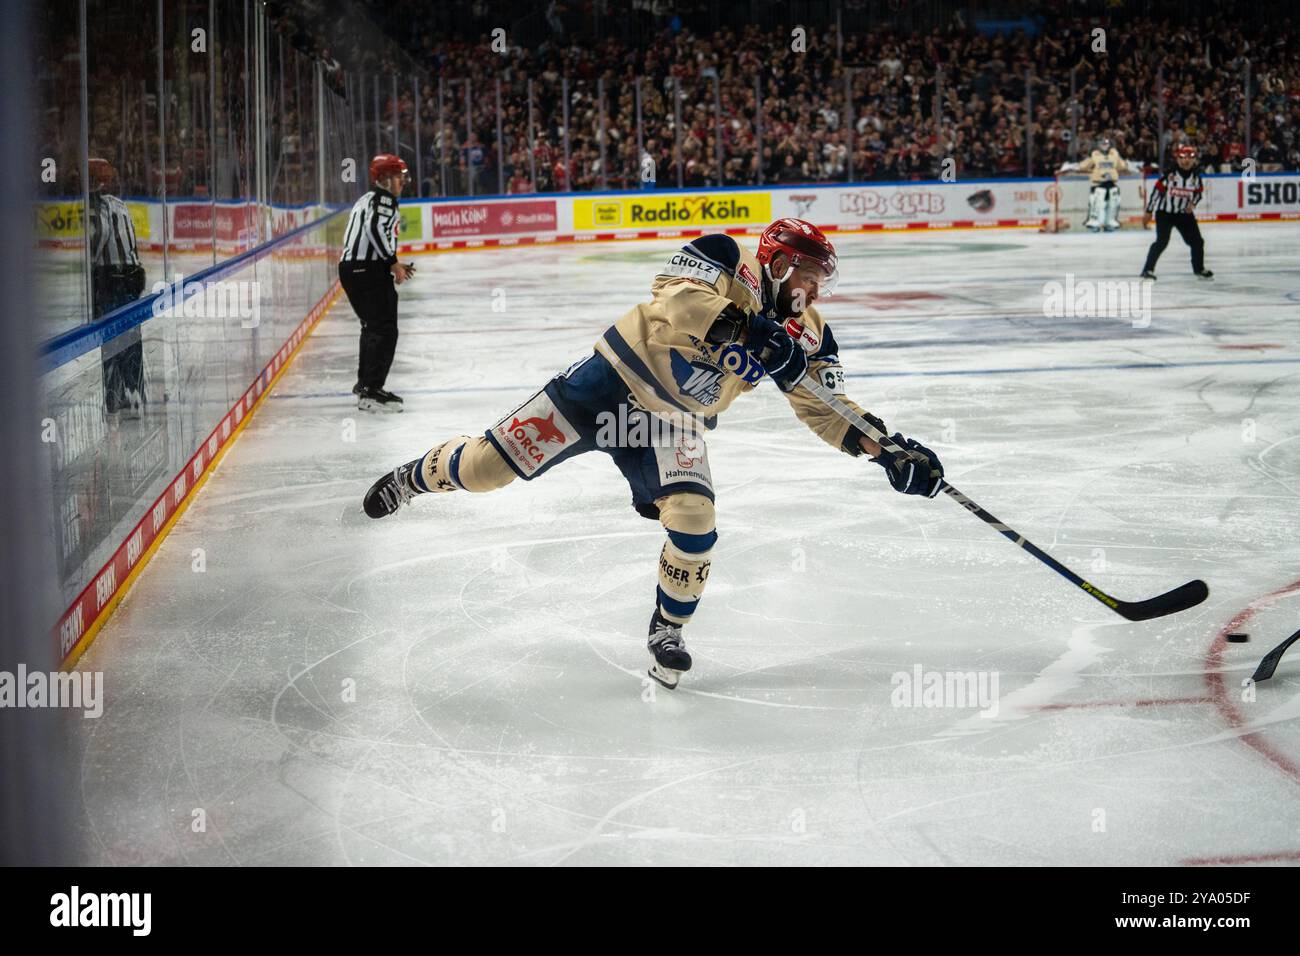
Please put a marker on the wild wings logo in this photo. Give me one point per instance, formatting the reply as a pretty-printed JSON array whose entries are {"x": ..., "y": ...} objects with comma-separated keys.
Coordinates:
[{"x": 698, "y": 381}]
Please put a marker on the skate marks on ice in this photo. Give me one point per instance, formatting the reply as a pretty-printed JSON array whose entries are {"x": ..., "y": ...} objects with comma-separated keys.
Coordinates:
[
  {"x": 1061, "y": 676},
  {"x": 499, "y": 713}
]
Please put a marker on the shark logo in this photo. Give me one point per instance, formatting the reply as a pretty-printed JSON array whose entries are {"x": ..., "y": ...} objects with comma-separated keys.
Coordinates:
[
  {"x": 697, "y": 380},
  {"x": 534, "y": 434},
  {"x": 546, "y": 429}
]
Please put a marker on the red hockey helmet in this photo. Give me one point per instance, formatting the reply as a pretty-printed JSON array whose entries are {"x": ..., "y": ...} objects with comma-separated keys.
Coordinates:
[
  {"x": 102, "y": 174},
  {"x": 1185, "y": 151},
  {"x": 804, "y": 244},
  {"x": 386, "y": 164}
]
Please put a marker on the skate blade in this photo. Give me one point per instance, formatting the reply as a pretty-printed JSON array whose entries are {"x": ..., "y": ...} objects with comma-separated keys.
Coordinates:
[
  {"x": 369, "y": 405},
  {"x": 354, "y": 516},
  {"x": 665, "y": 675}
]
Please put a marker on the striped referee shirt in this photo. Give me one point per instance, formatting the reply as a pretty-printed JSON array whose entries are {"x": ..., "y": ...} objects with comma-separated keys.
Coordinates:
[
  {"x": 1176, "y": 192},
  {"x": 371, "y": 235},
  {"x": 112, "y": 233}
]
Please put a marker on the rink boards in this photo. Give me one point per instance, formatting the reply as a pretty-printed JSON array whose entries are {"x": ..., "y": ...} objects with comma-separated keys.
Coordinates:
[{"x": 495, "y": 221}]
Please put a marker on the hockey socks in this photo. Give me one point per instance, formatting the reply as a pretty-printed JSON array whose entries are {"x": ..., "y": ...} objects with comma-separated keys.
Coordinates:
[
  {"x": 439, "y": 469},
  {"x": 464, "y": 463},
  {"x": 683, "y": 572}
]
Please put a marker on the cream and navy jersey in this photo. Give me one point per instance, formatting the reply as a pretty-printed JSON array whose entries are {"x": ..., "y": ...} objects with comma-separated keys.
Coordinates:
[
  {"x": 1176, "y": 192},
  {"x": 112, "y": 233},
  {"x": 1104, "y": 167},
  {"x": 660, "y": 349},
  {"x": 371, "y": 235}
]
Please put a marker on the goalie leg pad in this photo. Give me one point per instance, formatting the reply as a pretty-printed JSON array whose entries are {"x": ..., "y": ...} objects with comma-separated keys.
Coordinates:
[
  {"x": 1096, "y": 207},
  {"x": 1112, "y": 208},
  {"x": 687, "y": 554},
  {"x": 465, "y": 463}
]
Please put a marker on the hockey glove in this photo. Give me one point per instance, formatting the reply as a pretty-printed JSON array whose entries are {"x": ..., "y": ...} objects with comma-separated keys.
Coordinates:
[
  {"x": 912, "y": 476},
  {"x": 782, "y": 358}
]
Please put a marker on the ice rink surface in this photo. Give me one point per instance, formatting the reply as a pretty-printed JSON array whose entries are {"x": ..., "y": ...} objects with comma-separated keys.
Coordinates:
[{"x": 464, "y": 682}]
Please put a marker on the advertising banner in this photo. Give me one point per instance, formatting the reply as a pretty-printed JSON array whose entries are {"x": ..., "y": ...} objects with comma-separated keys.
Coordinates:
[
  {"x": 887, "y": 205},
  {"x": 974, "y": 204},
  {"x": 672, "y": 210},
  {"x": 1262, "y": 196},
  {"x": 461, "y": 220},
  {"x": 236, "y": 224},
  {"x": 58, "y": 222},
  {"x": 191, "y": 221}
]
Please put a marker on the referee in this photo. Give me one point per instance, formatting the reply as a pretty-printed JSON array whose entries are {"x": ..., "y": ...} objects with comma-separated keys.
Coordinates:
[
  {"x": 369, "y": 272},
  {"x": 116, "y": 278},
  {"x": 1173, "y": 200}
]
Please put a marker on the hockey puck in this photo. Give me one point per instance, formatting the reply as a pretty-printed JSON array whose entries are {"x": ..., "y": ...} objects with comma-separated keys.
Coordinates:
[{"x": 1238, "y": 638}]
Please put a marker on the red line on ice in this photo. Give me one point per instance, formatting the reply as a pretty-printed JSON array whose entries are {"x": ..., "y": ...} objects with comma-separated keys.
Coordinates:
[
  {"x": 1243, "y": 858},
  {"x": 1223, "y": 701},
  {"x": 1145, "y": 702}
]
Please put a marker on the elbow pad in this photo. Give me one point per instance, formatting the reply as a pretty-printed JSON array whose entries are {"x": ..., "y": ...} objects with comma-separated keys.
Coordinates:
[{"x": 728, "y": 326}]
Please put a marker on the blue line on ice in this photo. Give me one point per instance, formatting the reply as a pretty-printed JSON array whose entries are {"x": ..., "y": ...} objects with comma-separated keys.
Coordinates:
[{"x": 911, "y": 373}]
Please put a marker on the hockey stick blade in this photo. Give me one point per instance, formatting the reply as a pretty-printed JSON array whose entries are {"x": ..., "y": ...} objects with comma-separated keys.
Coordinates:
[
  {"x": 1269, "y": 664},
  {"x": 1171, "y": 602}
]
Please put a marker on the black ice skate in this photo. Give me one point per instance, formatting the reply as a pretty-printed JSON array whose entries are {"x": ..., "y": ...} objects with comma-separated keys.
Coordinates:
[
  {"x": 1205, "y": 274},
  {"x": 1148, "y": 274},
  {"x": 671, "y": 659},
  {"x": 391, "y": 491},
  {"x": 377, "y": 400},
  {"x": 133, "y": 404}
]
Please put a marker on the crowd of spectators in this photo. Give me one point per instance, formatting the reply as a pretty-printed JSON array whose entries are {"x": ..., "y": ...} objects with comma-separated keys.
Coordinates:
[
  {"x": 884, "y": 105},
  {"x": 196, "y": 139},
  {"x": 732, "y": 104}
]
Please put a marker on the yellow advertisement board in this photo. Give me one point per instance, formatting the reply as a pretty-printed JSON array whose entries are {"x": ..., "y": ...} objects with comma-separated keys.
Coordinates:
[
  {"x": 672, "y": 210},
  {"x": 139, "y": 218},
  {"x": 412, "y": 223},
  {"x": 58, "y": 220},
  {"x": 63, "y": 220}
]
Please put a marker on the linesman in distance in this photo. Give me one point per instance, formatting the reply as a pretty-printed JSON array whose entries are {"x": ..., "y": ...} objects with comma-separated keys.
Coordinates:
[
  {"x": 370, "y": 273},
  {"x": 116, "y": 279},
  {"x": 1173, "y": 201}
]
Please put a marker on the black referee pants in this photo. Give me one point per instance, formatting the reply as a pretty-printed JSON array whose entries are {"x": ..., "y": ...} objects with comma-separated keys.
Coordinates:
[
  {"x": 1185, "y": 223},
  {"x": 373, "y": 295},
  {"x": 122, "y": 358}
]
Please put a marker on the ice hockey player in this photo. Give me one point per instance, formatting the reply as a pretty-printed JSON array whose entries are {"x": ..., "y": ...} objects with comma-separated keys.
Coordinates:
[
  {"x": 719, "y": 320},
  {"x": 1173, "y": 201},
  {"x": 1104, "y": 165},
  {"x": 369, "y": 273}
]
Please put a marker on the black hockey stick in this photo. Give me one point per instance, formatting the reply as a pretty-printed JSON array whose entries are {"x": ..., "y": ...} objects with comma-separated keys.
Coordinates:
[
  {"x": 1269, "y": 664},
  {"x": 1171, "y": 602}
]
